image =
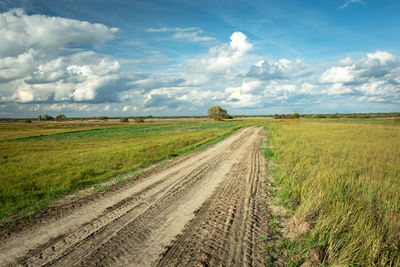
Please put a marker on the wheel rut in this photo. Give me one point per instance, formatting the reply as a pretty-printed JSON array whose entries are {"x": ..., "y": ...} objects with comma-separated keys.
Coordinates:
[
  {"x": 207, "y": 209},
  {"x": 229, "y": 228}
]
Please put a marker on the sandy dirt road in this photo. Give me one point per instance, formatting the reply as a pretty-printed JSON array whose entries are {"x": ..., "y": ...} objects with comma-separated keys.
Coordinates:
[{"x": 206, "y": 209}]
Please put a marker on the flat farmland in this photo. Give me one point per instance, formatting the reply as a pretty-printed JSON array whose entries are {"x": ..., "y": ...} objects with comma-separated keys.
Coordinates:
[
  {"x": 189, "y": 192},
  {"x": 207, "y": 207},
  {"x": 40, "y": 163}
]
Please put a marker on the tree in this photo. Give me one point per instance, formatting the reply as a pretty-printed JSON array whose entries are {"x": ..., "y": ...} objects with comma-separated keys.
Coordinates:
[
  {"x": 217, "y": 113},
  {"x": 61, "y": 117},
  {"x": 296, "y": 115},
  {"x": 47, "y": 117}
]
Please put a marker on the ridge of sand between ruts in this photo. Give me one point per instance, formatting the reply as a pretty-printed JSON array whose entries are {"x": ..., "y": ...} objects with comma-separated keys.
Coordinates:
[{"x": 146, "y": 215}]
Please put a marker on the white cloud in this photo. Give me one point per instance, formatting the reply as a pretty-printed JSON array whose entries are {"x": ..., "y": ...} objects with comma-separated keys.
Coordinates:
[
  {"x": 17, "y": 67},
  {"x": 125, "y": 108},
  {"x": 78, "y": 77},
  {"x": 279, "y": 69},
  {"x": 242, "y": 96},
  {"x": 376, "y": 76},
  {"x": 34, "y": 69},
  {"x": 337, "y": 89},
  {"x": 165, "y": 29},
  {"x": 382, "y": 56},
  {"x": 222, "y": 59},
  {"x": 190, "y": 34},
  {"x": 374, "y": 87},
  {"x": 346, "y": 62},
  {"x": 338, "y": 75},
  {"x": 192, "y": 37},
  {"x": 25, "y": 94},
  {"x": 348, "y": 2},
  {"x": 373, "y": 65},
  {"x": 70, "y": 107},
  {"x": 20, "y": 32}
]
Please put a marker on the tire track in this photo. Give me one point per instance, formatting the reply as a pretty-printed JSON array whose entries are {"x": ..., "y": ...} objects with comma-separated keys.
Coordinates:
[
  {"x": 216, "y": 190},
  {"x": 227, "y": 228}
]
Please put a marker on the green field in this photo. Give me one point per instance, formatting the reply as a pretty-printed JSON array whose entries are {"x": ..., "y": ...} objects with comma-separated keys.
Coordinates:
[
  {"x": 344, "y": 180},
  {"x": 342, "y": 176},
  {"x": 40, "y": 163}
]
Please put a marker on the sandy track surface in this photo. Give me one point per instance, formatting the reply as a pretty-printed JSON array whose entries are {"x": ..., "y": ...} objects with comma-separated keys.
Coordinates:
[{"x": 207, "y": 209}]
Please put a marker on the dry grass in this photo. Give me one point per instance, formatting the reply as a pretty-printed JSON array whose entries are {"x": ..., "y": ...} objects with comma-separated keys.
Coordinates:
[{"x": 343, "y": 178}]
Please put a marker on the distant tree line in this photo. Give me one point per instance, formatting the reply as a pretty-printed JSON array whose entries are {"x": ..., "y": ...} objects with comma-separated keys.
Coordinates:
[
  {"x": 46, "y": 117},
  {"x": 352, "y": 115},
  {"x": 290, "y": 116}
]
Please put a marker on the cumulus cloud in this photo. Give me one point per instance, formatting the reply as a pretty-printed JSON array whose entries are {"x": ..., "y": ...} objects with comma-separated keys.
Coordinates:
[
  {"x": 280, "y": 69},
  {"x": 161, "y": 100},
  {"x": 17, "y": 67},
  {"x": 376, "y": 74},
  {"x": 79, "y": 77},
  {"x": 34, "y": 67},
  {"x": 337, "y": 89},
  {"x": 244, "y": 95},
  {"x": 56, "y": 75},
  {"x": 20, "y": 32},
  {"x": 70, "y": 107},
  {"x": 374, "y": 77},
  {"x": 338, "y": 75},
  {"x": 223, "y": 58},
  {"x": 373, "y": 65}
]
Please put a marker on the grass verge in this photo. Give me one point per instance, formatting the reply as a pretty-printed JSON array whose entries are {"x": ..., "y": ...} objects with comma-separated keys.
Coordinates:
[{"x": 343, "y": 179}]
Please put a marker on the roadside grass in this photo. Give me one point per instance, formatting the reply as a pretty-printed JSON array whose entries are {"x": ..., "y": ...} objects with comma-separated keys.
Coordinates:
[
  {"x": 344, "y": 180},
  {"x": 36, "y": 171},
  {"x": 353, "y": 120}
]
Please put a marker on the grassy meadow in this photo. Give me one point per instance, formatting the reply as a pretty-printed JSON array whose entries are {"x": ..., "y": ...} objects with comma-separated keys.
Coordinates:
[
  {"x": 40, "y": 163},
  {"x": 343, "y": 178}
]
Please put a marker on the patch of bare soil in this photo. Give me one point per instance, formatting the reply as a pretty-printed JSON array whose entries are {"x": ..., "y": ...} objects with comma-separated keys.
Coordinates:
[{"x": 205, "y": 209}]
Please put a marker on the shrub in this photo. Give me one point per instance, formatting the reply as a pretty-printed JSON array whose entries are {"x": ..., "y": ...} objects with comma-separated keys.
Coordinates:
[
  {"x": 123, "y": 120},
  {"x": 296, "y": 115},
  {"x": 318, "y": 116},
  {"x": 139, "y": 120},
  {"x": 333, "y": 116}
]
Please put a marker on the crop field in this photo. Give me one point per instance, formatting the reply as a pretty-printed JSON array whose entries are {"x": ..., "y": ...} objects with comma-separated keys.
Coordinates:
[
  {"x": 343, "y": 178},
  {"x": 42, "y": 162}
]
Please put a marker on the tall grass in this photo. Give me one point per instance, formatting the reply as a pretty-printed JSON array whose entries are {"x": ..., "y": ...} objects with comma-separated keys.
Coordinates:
[
  {"x": 36, "y": 170},
  {"x": 344, "y": 179}
]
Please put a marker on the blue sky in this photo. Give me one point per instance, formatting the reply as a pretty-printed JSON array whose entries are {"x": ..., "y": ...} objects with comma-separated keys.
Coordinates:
[{"x": 134, "y": 58}]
